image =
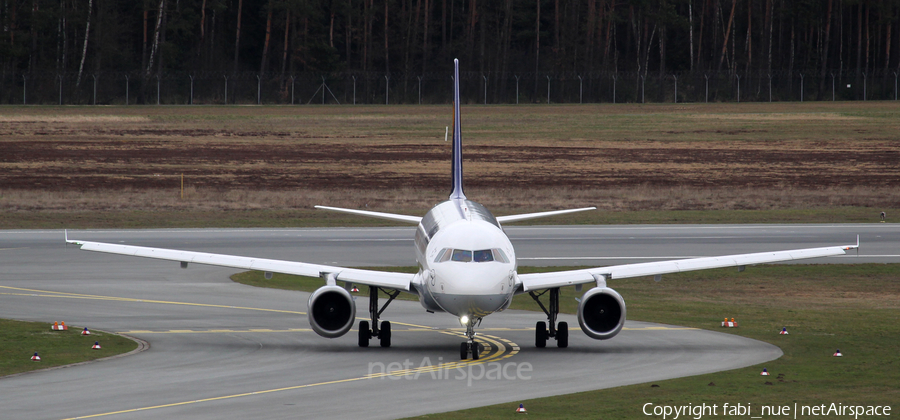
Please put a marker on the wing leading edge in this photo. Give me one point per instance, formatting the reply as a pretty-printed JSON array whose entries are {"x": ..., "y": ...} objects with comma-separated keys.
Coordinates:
[
  {"x": 537, "y": 281},
  {"x": 391, "y": 280}
]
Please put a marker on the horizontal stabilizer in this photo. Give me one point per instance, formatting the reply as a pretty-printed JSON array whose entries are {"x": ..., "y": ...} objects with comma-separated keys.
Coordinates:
[
  {"x": 379, "y": 215},
  {"x": 529, "y": 216}
]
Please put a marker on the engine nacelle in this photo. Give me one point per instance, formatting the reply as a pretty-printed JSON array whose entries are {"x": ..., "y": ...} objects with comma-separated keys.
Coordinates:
[
  {"x": 601, "y": 313},
  {"x": 331, "y": 311}
]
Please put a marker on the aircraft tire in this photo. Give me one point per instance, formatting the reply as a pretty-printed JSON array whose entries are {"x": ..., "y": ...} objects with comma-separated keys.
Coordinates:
[
  {"x": 364, "y": 333},
  {"x": 540, "y": 335},
  {"x": 385, "y": 334},
  {"x": 562, "y": 335}
]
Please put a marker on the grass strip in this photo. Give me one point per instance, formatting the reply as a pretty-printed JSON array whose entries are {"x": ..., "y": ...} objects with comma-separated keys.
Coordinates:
[
  {"x": 319, "y": 218},
  {"x": 19, "y": 340},
  {"x": 854, "y": 308}
]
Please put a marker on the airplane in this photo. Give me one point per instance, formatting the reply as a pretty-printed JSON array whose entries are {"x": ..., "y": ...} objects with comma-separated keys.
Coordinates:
[{"x": 467, "y": 268}]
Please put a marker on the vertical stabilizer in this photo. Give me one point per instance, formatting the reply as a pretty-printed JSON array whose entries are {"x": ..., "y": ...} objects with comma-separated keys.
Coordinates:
[{"x": 456, "y": 164}]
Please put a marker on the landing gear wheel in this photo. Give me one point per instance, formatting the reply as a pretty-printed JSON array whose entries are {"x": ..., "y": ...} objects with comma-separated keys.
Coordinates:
[
  {"x": 476, "y": 350},
  {"x": 364, "y": 333},
  {"x": 562, "y": 335},
  {"x": 385, "y": 334},
  {"x": 463, "y": 351},
  {"x": 540, "y": 335}
]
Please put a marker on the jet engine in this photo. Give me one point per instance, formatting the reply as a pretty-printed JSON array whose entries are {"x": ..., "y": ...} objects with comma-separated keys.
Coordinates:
[
  {"x": 331, "y": 311},
  {"x": 601, "y": 313}
]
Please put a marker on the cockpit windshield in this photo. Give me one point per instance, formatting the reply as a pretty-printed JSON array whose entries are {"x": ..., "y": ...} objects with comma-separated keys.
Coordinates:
[{"x": 464, "y": 255}]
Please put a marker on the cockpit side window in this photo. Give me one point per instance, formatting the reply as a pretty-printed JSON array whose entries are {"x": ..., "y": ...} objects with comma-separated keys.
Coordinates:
[
  {"x": 499, "y": 255},
  {"x": 484, "y": 255},
  {"x": 461, "y": 255},
  {"x": 443, "y": 255}
]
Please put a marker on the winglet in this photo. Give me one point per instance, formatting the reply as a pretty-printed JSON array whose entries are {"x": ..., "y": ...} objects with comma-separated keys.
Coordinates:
[
  {"x": 456, "y": 164},
  {"x": 73, "y": 242}
]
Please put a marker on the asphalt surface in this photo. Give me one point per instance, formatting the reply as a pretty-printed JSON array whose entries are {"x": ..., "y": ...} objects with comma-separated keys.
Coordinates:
[{"x": 224, "y": 350}]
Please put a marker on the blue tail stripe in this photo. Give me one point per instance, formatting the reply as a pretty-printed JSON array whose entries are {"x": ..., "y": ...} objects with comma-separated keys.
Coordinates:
[{"x": 456, "y": 165}]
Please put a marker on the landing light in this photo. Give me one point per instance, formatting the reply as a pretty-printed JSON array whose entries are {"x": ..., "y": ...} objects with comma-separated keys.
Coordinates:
[{"x": 464, "y": 320}]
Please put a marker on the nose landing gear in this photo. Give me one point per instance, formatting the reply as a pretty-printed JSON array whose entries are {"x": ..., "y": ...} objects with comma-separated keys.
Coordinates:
[{"x": 470, "y": 346}]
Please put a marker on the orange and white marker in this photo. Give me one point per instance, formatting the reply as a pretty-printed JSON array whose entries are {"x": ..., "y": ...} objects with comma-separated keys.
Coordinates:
[
  {"x": 96, "y": 345},
  {"x": 764, "y": 372},
  {"x": 784, "y": 331},
  {"x": 837, "y": 353},
  {"x": 59, "y": 327},
  {"x": 725, "y": 322},
  {"x": 85, "y": 332},
  {"x": 36, "y": 358},
  {"x": 733, "y": 323},
  {"x": 521, "y": 409}
]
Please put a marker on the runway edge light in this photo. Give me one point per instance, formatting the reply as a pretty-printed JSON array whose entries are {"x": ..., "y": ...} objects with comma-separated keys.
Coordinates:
[
  {"x": 521, "y": 409},
  {"x": 85, "y": 332},
  {"x": 784, "y": 331},
  {"x": 36, "y": 358},
  {"x": 764, "y": 372},
  {"x": 837, "y": 353},
  {"x": 96, "y": 345}
]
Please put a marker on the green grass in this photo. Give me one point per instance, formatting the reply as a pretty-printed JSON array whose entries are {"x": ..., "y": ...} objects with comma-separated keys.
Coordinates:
[
  {"x": 19, "y": 340},
  {"x": 854, "y": 308},
  {"x": 319, "y": 218}
]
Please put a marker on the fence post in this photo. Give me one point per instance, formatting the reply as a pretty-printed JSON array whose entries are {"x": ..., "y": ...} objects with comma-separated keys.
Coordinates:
[
  {"x": 192, "y": 89},
  {"x": 707, "y": 88},
  {"x": 354, "y": 90},
  {"x": 580, "y": 90},
  {"x": 126, "y": 89},
  {"x": 259, "y": 90},
  {"x": 24, "y": 91},
  {"x": 485, "y": 89},
  {"x": 226, "y": 88},
  {"x": 770, "y": 87},
  {"x": 95, "y": 88},
  {"x": 420, "y": 89},
  {"x": 292, "y": 90},
  {"x": 865, "y": 85},
  {"x": 801, "y": 87},
  {"x": 676, "y": 87},
  {"x": 738, "y": 87},
  {"x": 832, "y": 87},
  {"x": 548, "y": 90},
  {"x": 59, "y": 76},
  {"x": 157, "y": 89},
  {"x": 895, "y": 86},
  {"x": 387, "y": 81},
  {"x": 517, "y": 89},
  {"x": 642, "y": 88},
  {"x": 614, "y": 77}
]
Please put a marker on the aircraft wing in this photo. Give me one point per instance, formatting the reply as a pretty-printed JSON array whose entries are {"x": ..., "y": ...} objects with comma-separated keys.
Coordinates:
[
  {"x": 529, "y": 216},
  {"x": 376, "y": 214},
  {"x": 538, "y": 281},
  {"x": 391, "y": 280}
]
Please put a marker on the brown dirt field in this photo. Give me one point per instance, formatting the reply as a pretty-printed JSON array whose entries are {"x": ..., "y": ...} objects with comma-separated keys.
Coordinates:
[{"x": 545, "y": 150}]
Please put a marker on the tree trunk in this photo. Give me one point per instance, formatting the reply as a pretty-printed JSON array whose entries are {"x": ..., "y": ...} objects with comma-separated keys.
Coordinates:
[
  {"x": 727, "y": 33},
  {"x": 387, "y": 61},
  {"x": 537, "y": 45},
  {"x": 265, "y": 53},
  {"x": 87, "y": 32},
  {"x": 153, "y": 49},
  {"x": 284, "y": 52},
  {"x": 825, "y": 50},
  {"x": 427, "y": 18},
  {"x": 237, "y": 36}
]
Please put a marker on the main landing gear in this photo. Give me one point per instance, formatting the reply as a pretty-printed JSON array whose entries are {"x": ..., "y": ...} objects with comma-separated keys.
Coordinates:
[
  {"x": 383, "y": 333},
  {"x": 559, "y": 331},
  {"x": 470, "y": 346}
]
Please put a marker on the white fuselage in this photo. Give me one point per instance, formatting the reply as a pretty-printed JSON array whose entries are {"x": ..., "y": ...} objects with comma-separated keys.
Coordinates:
[{"x": 467, "y": 263}]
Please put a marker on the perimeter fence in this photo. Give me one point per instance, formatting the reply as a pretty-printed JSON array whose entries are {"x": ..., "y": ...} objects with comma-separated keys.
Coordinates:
[{"x": 208, "y": 88}]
